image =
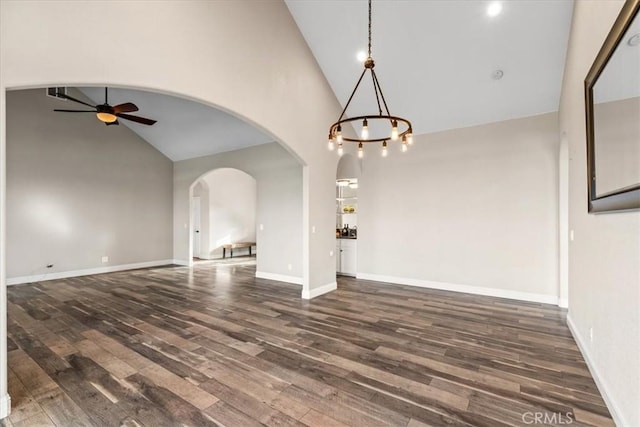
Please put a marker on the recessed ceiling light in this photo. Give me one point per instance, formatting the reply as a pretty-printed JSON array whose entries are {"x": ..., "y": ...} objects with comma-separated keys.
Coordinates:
[
  {"x": 634, "y": 40},
  {"x": 362, "y": 55},
  {"x": 497, "y": 74},
  {"x": 494, "y": 9}
]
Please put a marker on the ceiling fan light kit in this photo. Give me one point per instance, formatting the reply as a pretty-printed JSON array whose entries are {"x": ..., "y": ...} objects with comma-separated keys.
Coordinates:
[
  {"x": 105, "y": 116},
  {"x": 106, "y": 113},
  {"x": 399, "y": 128}
]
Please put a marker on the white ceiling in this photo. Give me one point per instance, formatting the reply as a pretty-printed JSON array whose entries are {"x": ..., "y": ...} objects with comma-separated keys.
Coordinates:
[
  {"x": 434, "y": 59},
  {"x": 185, "y": 129}
]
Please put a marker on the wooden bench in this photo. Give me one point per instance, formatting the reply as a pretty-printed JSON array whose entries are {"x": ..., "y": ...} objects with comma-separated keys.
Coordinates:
[{"x": 232, "y": 246}]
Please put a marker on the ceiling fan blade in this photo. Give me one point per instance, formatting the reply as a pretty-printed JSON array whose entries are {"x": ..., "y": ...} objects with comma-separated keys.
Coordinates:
[
  {"x": 128, "y": 107},
  {"x": 71, "y": 98},
  {"x": 77, "y": 111},
  {"x": 136, "y": 119},
  {"x": 112, "y": 123}
]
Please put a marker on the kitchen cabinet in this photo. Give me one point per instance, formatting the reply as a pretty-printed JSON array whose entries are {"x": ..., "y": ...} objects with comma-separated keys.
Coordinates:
[{"x": 346, "y": 256}]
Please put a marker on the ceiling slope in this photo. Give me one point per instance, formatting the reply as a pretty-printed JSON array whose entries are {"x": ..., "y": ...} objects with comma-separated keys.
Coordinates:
[
  {"x": 185, "y": 129},
  {"x": 435, "y": 59}
]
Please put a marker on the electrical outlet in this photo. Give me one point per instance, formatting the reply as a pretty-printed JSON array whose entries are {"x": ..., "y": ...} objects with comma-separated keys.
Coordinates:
[
  {"x": 261, "y": 227},
  {"x": 289, "y": 267},
  {"x": 571, "y": 235},
  {"x": 330, "y": 253},
  {"x": 591, "y": 334},
  {"x": 105, "y": 259},
  {"x": 313, "y": 229}
]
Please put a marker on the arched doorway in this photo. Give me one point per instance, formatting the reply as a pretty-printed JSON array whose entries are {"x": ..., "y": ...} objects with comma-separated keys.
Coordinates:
[
  {"x": 186, "y": 62},
  {"x": 347, "y": 212},
  {"x": 278, "y": 209},
  {"x": 223, "y": 212}
]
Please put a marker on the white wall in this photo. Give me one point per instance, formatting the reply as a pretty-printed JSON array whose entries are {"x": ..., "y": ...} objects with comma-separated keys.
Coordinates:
[
  {"x": 288, "y": 99},
  {"x": 78, "y": 190},
  {"x": 278, "y": 179},
  {"x": 473, "y": 209},
  {"x": 211, "y": 53},
  {"x": 604, "y": 257},
  {"x": 231, "y": 211}
]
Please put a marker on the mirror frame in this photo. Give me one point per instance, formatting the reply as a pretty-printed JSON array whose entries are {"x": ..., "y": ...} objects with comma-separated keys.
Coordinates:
[{"x": 626, "y": 198}]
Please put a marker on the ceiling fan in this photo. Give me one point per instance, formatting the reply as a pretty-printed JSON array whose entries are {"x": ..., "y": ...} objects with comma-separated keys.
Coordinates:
[{"x": 106, "y": 113}]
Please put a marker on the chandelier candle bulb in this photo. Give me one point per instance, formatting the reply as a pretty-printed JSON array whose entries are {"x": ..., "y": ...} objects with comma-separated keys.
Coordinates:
[
  {"x": 404, "y": 144},
  {"x": 384, "y": 148},
  {"x": 339, "y": 135},
  {"x": 360, "y": 151},
  {"x": 394, "y": 130},
  {"x": 409, "y": 137},
  {"x": 340, "y": 149},
  {"x": 332, "y": 145},
  {"x": 365, "y": 129}
]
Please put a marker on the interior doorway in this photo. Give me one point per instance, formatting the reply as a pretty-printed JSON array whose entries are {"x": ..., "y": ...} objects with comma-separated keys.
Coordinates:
[
  {"x": 347, "y": 176},
  {"x": 195, "y": 224},
  {"x": 223, "y": 213}
]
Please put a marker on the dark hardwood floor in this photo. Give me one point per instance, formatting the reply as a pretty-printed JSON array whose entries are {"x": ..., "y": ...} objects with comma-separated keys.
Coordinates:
[{"x": 216, "y": 346}]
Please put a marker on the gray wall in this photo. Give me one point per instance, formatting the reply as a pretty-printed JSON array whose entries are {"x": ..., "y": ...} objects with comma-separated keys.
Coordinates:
[
  {"x": 604, "y": 256},
  {"x": 78, "y": 190},
  {"x": 279, "y": 203},
  {"x": 473, "y": 209}
]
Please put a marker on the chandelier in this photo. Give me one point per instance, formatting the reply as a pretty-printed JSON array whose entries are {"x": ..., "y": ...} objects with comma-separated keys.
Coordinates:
[{"x": 397, "y": 128}]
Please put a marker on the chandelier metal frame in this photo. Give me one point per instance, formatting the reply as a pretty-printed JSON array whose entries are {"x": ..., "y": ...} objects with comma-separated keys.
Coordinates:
[{"x": 335, "y": 131}]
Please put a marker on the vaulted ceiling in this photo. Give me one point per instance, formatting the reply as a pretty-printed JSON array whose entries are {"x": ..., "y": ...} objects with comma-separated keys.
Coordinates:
[
  {"x": 435, "y": 60},
  {"x": 185, "y": 129}
]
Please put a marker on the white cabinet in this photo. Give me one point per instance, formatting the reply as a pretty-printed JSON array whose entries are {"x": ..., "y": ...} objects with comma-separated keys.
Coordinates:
[{"x": 346, "y": 256}]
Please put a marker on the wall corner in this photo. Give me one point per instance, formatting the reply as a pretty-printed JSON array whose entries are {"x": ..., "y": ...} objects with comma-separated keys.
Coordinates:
[
  {"x": 316, "y": 292},
  {"x": 5, "y": 406}
]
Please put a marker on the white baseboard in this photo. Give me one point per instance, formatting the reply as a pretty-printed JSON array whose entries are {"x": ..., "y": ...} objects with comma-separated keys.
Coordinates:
[
  {"x": 468, "y": 289},
  {"x": 279, "y": 277},
  {"x": 5, "y": 406},
  {"x": 316, "y": 292},
  {"x": 86, "y": 272},
  {"x": 180, "y": 262},
  {"x": 597, "y": 377},
  {"x": 563, "y": 302}
]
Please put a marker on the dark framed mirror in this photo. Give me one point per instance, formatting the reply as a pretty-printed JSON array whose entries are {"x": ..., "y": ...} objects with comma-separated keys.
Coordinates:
[{"x": 612, "y": 94}]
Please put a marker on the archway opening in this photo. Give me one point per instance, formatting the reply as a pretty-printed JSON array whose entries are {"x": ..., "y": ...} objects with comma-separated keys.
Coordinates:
[
  {"x": 123, "y": 202},
  {"x": 223, "y": 215},
  {"x": 347, "y": 177}
]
